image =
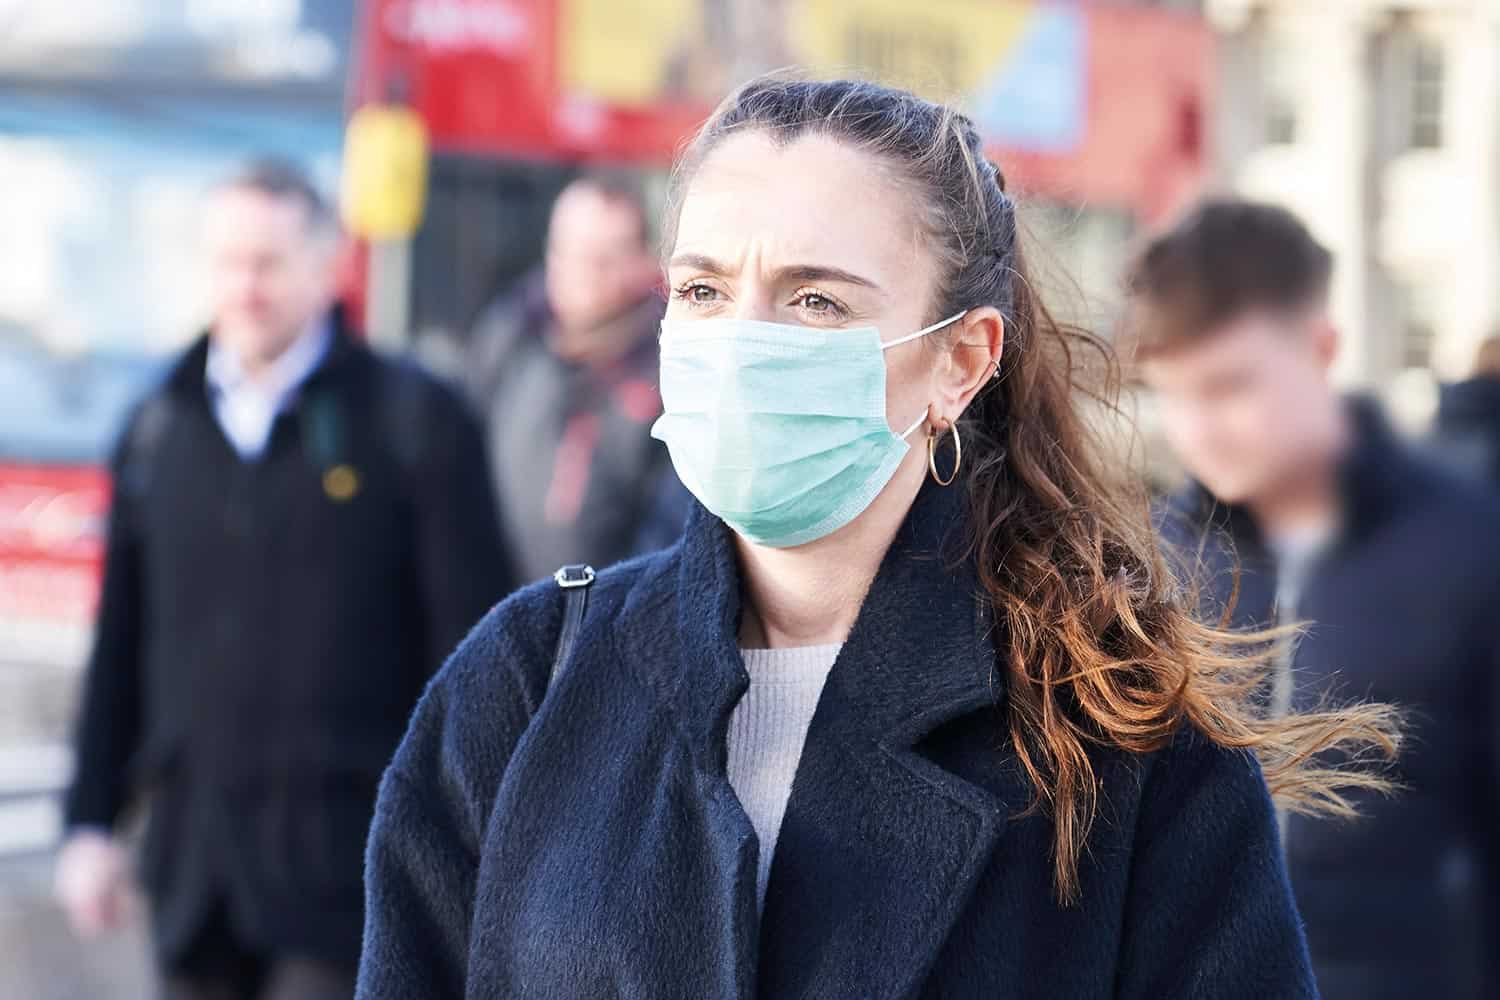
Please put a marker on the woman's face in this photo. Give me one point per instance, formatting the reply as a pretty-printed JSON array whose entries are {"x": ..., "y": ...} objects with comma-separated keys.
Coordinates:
[{"x": 815, "y": 234}]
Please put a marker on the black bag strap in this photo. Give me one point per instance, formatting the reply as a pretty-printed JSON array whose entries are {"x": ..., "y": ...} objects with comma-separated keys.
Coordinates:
[
  {"x": 404, "y": 410},
  {"x": 575, "y": 582},
  {"x": 401, "y": 402},
  {"x": 325, "y": 429}
]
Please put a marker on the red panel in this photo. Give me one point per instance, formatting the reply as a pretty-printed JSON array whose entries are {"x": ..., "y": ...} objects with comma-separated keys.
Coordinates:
[
  {"x": 51, "y": 541},
  {"x": 484, "y": 75},
  {"x": 480, "y": 71},
  {"x": 1150, "y": 87}
]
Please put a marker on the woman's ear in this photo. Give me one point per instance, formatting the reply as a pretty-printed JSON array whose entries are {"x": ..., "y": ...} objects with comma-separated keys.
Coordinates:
[{"x": 974, "y": 359}]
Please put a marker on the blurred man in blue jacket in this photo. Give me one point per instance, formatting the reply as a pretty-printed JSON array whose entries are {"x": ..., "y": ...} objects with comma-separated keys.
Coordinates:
[{"x": 1313, "y": 509}]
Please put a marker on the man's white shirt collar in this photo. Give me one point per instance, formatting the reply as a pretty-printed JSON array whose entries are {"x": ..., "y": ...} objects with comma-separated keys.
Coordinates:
[{"x": 245, "y": 407}]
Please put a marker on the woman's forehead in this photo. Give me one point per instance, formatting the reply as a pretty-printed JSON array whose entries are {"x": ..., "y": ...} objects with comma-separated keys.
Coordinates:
[{"x": 815, "y": 201}]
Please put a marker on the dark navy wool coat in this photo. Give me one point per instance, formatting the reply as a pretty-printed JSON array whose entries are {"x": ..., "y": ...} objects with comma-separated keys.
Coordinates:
[
  {"x": 1404, "y": 607},
  {"x": 584, "y": 841}
]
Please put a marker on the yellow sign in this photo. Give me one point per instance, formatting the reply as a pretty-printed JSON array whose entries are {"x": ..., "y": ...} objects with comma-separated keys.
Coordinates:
[
  {"x": 385, "y": 172},
  {"x": 640, "y": 53},
  {"x": 942, "y": 50},
  {"x": 627, "y": 53}
]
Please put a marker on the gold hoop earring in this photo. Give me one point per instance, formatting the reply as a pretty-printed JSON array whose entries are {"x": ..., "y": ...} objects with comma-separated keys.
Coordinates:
[{"x": 958, "y": 456}]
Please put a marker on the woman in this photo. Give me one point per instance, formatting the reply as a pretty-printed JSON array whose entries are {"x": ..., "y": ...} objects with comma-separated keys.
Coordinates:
[{"x": 890, "y": 721}]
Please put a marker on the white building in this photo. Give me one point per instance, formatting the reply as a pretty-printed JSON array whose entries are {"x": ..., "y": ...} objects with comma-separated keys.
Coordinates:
[{"x": 1379, "y": 123}]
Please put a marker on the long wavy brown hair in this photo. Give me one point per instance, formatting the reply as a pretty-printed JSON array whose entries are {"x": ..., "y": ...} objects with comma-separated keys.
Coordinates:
[{"x": 1103, "y": 645}]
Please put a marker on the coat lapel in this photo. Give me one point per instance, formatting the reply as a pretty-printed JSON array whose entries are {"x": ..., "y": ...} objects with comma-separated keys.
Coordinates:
[
  {"x": 709, "y": 679},
  {"x": 881, "y": 848}
]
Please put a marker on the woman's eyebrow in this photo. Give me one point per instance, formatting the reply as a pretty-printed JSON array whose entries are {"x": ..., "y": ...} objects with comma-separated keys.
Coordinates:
[
  {"x": 795, "y": 272},
  {"x": 698, "y": 262},
  {"x": 814, "y": 272}
]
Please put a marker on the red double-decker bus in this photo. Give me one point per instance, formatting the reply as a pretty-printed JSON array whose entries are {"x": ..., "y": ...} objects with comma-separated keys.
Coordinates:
[{"x": 1095, "y": 110}]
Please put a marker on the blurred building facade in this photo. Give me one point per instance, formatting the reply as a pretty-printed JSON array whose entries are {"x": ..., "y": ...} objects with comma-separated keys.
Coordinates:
[{"x": 1376, "y": 121}]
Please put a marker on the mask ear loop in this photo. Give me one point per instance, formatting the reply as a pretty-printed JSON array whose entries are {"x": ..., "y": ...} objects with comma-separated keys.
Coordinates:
[
  {"x": 994, "y": 376},
  {"x": 924, "y": 331},
  {"x": 913, "y": 336}
]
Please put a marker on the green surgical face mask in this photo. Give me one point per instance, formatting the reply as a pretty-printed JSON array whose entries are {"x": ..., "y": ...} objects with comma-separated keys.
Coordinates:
[{"x": 779, "y": 430}]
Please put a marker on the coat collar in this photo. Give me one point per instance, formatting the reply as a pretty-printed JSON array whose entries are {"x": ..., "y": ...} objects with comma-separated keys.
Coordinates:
[
  {"x": 1473, "y": 402},
  {"x": 188, "y": 377},
  {"x": 878, "y": 842},
  {"x": 924, "y": 599},
  {"x": 1375, "y": 477}
]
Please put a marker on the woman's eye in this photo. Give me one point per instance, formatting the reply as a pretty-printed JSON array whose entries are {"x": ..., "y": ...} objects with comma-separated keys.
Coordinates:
[
  {"x": 697, "y": 294},
  {"x": 818, "y": 304}
]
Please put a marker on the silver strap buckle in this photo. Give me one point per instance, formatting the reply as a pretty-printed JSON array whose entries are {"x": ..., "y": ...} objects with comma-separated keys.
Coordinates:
[{"x": 570, "y": 577}]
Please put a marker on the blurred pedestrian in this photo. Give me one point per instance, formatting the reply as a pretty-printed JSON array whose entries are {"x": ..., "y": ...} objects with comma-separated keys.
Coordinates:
[
  {"x": 300, "y": 533},
  {"x": 1330, "y": 518},
  {"x": 1468, "y": 417},
  {"x": 564, "y": 372},
  {"x": 793, "y": 755}
]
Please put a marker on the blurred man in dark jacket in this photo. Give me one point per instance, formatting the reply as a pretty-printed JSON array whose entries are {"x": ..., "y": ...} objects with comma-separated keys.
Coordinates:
[
  {"x": 1396, "y": 564},
  {"x": 564, "y": 370},
  {"x": 1468, "y": 417},
  {"x": 299, "y": 535}
]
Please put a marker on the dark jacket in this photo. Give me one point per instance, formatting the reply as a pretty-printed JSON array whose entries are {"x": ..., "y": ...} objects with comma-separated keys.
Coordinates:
[
  {"x": 1468, "y": 425},
  {"x": 1405, "y": 608},
  {"x": 577, "y": 473},
  {"x": 263, "y": 635},
  {"x": 584, "y": 840}
]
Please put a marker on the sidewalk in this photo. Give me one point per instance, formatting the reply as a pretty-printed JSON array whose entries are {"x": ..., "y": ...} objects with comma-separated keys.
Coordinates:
[{"x": 40, "y": 959}]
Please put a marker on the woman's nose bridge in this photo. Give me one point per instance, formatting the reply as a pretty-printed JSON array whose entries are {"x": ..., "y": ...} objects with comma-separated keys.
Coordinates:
[
  {"x": 757, "y": 311},
  {"x": 754, "y": 282},
  {"x": 756, "y": 300}
]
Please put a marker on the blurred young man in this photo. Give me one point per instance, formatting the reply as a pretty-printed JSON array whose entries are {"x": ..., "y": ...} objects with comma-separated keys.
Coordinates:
[
  {"x": 564, "y": 370},
  {"x": 1396, "y": 565},
  {"x": 300, "y": 533}
]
